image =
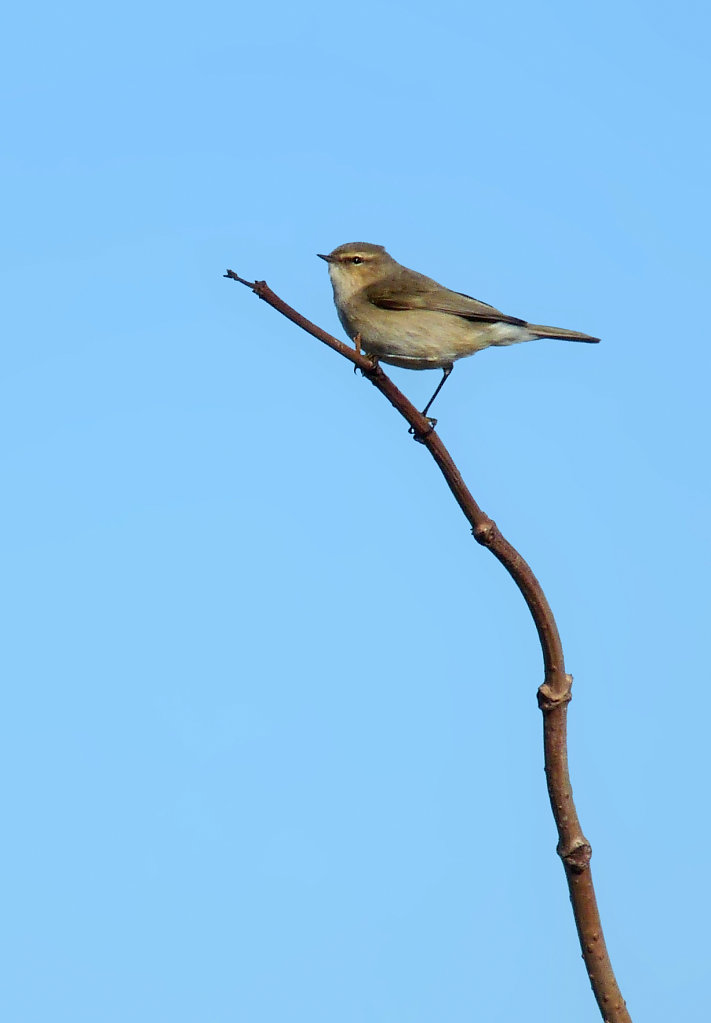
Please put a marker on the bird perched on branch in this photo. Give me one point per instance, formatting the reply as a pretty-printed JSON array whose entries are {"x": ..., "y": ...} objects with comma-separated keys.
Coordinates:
[{"x": 409, "y": 320}]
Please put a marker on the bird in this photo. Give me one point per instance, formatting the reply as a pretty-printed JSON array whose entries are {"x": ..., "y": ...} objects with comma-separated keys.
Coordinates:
[{"x": 400, "y": 317}]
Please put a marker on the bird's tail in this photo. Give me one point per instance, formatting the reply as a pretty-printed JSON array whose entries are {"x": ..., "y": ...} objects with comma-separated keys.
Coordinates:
[{"x": 561, "y": 332}]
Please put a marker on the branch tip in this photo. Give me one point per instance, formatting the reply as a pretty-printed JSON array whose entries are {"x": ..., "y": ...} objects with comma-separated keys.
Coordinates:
[{"x": 236, "y": 277}]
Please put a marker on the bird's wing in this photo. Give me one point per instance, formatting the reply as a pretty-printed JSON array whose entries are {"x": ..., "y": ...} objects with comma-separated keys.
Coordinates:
[{"x": 414, "y": 291}]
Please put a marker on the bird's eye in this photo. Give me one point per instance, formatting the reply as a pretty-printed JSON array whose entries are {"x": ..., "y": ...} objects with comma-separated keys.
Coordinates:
[{"x": 356, "y": 260}]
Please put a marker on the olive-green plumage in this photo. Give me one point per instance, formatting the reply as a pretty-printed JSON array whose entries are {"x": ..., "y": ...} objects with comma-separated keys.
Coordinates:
[{"x": 409, "y": 320}]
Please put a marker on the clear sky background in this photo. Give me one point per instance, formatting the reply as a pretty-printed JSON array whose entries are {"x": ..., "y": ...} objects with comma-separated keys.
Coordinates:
[{"x": 271, "y": 749}]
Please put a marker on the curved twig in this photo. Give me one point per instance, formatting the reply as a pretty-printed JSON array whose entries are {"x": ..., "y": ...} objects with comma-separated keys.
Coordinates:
[{"x": 553, "y": 695}]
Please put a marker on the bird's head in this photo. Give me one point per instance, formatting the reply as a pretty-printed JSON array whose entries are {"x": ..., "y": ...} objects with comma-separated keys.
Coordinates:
[{"x": 355, "y": 265}]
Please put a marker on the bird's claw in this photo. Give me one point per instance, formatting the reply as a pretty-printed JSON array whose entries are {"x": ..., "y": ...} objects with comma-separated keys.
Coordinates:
[{"x": 419, "y": 435}]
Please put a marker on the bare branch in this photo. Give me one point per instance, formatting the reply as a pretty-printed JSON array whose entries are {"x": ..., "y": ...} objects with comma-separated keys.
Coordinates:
[{"x": 553, "y": 695}]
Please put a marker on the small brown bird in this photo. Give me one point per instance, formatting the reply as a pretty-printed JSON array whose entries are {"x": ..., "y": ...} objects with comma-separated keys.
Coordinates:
[{"x": 409, "y": 320}]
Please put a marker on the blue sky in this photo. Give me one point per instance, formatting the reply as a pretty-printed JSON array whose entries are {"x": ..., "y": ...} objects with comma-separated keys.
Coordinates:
[{"x": 271, "y": 749}]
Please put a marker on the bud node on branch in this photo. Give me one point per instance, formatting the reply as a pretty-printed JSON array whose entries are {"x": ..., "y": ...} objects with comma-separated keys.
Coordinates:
[
  {"x": 551, "y": 696},
  {"x": 486, "y": 533},
  {"x": 577, "y": 858}
]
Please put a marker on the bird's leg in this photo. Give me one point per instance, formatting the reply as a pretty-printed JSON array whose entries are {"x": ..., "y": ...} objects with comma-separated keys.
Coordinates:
[
  {"x": 446, "y": 370},
  {"x": 357, "y": 342}
]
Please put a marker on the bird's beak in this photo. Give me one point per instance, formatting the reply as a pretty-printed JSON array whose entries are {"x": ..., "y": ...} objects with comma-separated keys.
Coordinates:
[{"x": 329, "y": 259}]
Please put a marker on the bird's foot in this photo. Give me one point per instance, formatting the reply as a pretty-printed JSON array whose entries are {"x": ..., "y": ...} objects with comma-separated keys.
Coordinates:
[
  {"x": 373, "y": 358},
  {"x": 420, "y": 435}
]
